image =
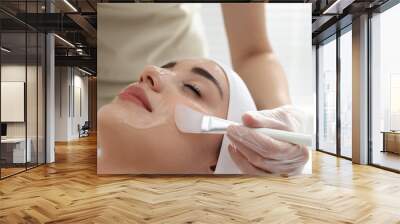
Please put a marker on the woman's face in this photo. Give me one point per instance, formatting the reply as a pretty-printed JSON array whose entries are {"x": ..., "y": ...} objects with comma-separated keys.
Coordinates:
[{"x": 137, "y": 132}]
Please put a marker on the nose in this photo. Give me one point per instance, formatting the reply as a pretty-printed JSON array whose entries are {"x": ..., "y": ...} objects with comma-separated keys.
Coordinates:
[{"x": 151, "y": 77}]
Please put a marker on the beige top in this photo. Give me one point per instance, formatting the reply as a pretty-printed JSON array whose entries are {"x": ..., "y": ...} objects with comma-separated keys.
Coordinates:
[{"x": 131, "y": 36}]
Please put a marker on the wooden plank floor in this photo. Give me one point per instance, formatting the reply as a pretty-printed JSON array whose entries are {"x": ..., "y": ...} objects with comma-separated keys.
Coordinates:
[
  {"x": 69, "y": 191},
  {"x": 10, "y": 171}
]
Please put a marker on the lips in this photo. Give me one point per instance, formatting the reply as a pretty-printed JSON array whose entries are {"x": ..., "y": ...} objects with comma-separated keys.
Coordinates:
[{"x": 136, "y": 95}]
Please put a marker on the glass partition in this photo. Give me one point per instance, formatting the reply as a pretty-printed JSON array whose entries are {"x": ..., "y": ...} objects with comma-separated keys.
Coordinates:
[
  {"x": 13, "y": 95},
  {"x": 23, "y": 90},
  {"x": 327, "y": 96},
  {"x": 31, "y": 100},
  {"x": 41, "y": 107}
]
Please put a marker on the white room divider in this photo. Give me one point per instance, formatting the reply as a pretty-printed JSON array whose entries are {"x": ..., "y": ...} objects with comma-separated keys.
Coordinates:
[{"x": 12, "y": 101}]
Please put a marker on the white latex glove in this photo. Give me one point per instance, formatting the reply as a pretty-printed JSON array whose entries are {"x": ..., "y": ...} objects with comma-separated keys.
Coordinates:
[{"x": 258, "y": 154}]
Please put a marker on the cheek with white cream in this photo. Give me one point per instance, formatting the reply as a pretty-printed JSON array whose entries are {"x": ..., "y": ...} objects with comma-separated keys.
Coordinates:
[{"x": 137, "y": 117}]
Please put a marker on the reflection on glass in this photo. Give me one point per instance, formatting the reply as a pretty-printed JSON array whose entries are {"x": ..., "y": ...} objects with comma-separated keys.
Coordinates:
[
  {"x": 346, "y": 94},
  {"x": 386, "y": 89},
  {"x": 327, "y": 96}
]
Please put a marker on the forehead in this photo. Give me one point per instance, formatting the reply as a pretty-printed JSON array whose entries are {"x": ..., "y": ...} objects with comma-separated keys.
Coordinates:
[{"x": 209, "y": 65}]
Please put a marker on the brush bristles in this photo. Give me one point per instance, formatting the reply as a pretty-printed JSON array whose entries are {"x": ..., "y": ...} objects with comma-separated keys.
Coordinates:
[{"x": 188, "y": 120}]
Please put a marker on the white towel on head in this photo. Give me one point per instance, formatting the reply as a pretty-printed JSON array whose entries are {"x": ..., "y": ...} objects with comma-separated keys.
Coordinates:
[{"x": 240, "y": 101}]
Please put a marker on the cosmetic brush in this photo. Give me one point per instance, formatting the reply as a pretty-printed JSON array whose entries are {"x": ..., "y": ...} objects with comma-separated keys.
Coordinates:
[{"x": 191, "y": 121}]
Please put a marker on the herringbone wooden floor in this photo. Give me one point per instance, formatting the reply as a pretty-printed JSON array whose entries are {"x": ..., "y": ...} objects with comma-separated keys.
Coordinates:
[{"x": 69, "y": 191}]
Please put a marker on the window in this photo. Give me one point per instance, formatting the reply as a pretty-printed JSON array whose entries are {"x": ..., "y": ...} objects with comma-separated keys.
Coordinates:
[
  {"x": 327, "y": 97},
  {"x": 385, "y": 89},
  {"x": 346, "y": 94},
  {"x": 394, "y": 102}
]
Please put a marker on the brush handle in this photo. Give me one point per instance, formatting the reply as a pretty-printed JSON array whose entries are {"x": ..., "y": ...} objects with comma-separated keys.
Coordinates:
[
  {"x": 287, "y": 136},
  {"x": 215, "y": 125}
]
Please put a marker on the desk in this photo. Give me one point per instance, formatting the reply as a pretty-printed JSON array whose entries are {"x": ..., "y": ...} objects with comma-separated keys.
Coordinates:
[
  {"x": 15, "y": 148},
  {"x": 391, "y": 141}
]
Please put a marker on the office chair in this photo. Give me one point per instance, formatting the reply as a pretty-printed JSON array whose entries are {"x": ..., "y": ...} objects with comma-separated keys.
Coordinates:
[{"x": 84, "y": 130}]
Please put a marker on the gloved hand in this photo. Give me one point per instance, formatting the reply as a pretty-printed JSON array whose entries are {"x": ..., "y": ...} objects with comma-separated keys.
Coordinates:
[{"x": 258, "y": 154}]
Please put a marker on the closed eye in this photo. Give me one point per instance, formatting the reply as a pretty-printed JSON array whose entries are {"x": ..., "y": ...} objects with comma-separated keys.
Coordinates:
[{"x": 194, "y": 89}]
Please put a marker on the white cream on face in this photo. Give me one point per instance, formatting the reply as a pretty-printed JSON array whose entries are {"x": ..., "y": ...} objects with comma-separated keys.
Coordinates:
[
  {"x": 130, "y": 114},
  {"x": 134, "y": 116}
]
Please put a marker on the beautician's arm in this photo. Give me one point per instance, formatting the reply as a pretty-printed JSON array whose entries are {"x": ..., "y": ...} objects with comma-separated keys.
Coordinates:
[
  {"x": 256, "y": 63},
  {"x": 252, "y": 55}
]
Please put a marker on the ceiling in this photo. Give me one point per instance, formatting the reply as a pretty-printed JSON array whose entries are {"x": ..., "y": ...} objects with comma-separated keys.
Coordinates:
[{"x": 332, "y": 15}]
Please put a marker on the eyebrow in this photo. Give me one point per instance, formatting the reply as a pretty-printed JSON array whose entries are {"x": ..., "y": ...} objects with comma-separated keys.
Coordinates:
[
  {"x": 204, "y": 73},
  {"x": 169, "y": 65}
]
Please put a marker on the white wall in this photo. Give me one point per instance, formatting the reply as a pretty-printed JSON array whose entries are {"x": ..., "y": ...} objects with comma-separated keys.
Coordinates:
[
  {"x": 289, "y": 30},
  {"x": 68, "y": 82},
  {"x": 80, "y": 84},
  {"x": 61, "y": 104}
]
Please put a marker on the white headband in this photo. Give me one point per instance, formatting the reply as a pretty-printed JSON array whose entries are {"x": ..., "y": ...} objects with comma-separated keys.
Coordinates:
[{"x": 240, "y": 101}]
